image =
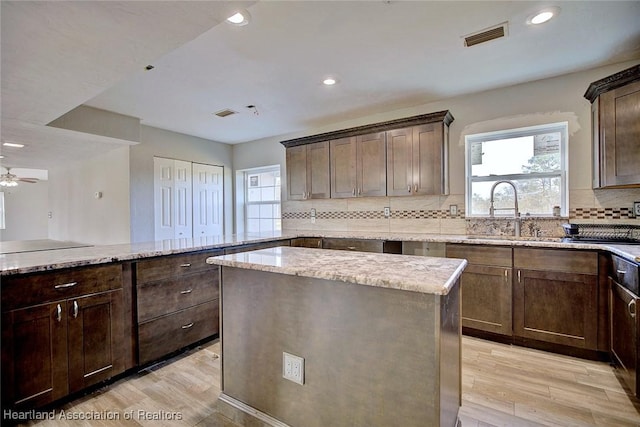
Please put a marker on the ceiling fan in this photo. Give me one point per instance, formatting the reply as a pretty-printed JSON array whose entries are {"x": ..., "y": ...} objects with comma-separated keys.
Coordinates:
[{"x": 11, "y": 180}]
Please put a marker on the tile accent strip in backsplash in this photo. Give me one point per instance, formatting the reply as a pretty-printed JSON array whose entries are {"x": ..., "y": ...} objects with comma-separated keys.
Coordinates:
[{"x": 601, "y": 213}]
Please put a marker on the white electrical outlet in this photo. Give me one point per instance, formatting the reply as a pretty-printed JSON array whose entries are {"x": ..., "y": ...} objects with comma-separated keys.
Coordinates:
[
  {"x": 292, "y": 368},
  {"x": 636, "y": 209},
  {"x": 453, "y": 210},
  {"x": 387, "y": 212}
]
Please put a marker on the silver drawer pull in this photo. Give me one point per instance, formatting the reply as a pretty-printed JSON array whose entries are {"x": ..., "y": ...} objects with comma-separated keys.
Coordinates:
[
  {"x": 632, "y": 308},
  {"x": 75, "y": 309},
  {"x": 59, "y": 313},
  {"x": 188, "y": 264},
  {"x": 186, "y": 291},
  {"x": 187, "y": 326},
  {"x": 351, "y": 248},
  {"x": 66, "y": 285},
  {"x": 621, "y": 271}
]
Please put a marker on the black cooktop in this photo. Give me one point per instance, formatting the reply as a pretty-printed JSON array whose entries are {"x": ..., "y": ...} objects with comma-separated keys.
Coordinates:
[{"x": 620, "y": 241}]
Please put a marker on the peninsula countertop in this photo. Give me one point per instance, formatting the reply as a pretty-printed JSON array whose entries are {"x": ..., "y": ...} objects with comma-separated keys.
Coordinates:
[
  {"x": 428, "y": 275},
  {"x": 46, "y": 260}
]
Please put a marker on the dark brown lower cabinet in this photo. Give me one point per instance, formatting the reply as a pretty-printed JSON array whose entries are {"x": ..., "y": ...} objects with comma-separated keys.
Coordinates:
[
  {"x": 62, "y": 331},
  {"x": 54, "y": 349},
  {"x": 556, "y": 307},
  {"x": 486, "y": 300}
]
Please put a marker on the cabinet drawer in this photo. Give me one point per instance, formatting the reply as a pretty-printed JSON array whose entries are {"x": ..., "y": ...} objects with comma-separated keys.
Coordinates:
[
  {"x": 581, "y": 262},
  {"x": 353, "y": 245},
  {"x": 173, "y": 265},
  {"x": 170, "y": 333},
  {"x": 481, "y": 255},
  {"x": 307, "y": 242},
  {"x": 625, "y": 273},
  {"x": 31, "y": 289},
  {"x": 166, "y": 296}
]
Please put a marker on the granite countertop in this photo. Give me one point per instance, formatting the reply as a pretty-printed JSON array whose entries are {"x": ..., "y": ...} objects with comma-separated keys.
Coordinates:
[
  {"x": 428, "y": 275},
  {"x": 44, "y": 260}
]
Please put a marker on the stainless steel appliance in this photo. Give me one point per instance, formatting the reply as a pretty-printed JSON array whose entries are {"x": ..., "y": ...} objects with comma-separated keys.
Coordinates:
[{"x": 625, "y": 322}]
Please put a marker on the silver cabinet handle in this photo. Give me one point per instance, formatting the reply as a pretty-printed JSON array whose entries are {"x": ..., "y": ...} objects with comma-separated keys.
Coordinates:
[
  {"x": 409, "y": 188},
  {"x": 359, "y": 191},
  {"x": 309, "y": 195},
  {"x": 75, "y": 309},
  {"x": 621, "y": 271},
  {"x": 415, "y": 187},
  {"x": 518, "y": 276},
  {"x": 188, "y": 264},
  {"x": 66, "y": 285},
  {"x": 187, "y": 326},
  {"x": 632, "y": 308},
  {"x": 59, "y": 313},
  {"x": 186, "y": 291},
  {"x": 351, "y": 248},
  {"x": 354, "y": 191}
]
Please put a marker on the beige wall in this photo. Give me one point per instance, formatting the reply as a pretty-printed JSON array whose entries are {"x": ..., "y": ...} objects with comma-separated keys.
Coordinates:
[
  {"x": 76, "y": 214},
  {"x": 539, "y": 102},
  {"x": 26, "y": 209}
]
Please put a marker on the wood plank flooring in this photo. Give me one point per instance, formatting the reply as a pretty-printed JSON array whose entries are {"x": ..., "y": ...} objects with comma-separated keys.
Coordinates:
[{"x": 502, "y": 385}]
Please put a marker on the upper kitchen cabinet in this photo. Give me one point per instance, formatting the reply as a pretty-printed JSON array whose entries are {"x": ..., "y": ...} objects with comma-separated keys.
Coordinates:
[
  {"x": 308, "y": 171},
  {"x": 417, "y": 160},
  {"x": 358, "y": 166},
  {"x": 615, "y": 111},
  {"x": 402, "y": 157}
]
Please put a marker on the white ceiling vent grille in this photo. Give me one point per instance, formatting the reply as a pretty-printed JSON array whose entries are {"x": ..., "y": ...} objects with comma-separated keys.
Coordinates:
[
  {"x": 489, "y": 34},
  {"x": 226, "y": 112}
]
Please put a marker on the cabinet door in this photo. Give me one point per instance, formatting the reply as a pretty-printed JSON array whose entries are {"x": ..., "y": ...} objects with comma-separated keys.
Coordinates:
[
  {"x": 34, "y": 355},
  {"x": 183, "y": 200},
  {"x": 318, "y": 170},
  {"x": 486, "y": 299},
  {"x": 619, "y": 135},
  {"x": 429, "y": 159},
  {"x": 371, "y": 165},
  {"x": 96, "y": 336},
  {"x": 556, "y": 307},
  {"x": 624, "y": 333},
  {"x": 343, "y": 167},
  {"x": 400, "y": 162},
  {"x": 297, "y": 172}
]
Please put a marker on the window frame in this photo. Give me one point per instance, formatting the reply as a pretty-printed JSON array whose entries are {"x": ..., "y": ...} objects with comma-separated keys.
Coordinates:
[
  {"x": 561, "y": 127},
  {"x": 242, "y": 180}
]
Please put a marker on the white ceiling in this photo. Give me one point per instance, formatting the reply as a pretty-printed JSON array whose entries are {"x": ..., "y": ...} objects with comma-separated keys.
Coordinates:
[{"x": 386, "y": 56}]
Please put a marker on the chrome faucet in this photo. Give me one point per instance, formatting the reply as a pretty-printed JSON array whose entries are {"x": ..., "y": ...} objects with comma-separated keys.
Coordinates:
[{"x": 516, "y": 215}]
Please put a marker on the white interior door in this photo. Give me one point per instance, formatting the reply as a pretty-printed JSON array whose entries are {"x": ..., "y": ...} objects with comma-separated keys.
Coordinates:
[
  {"x": 183, "y": 199},
  {"x": 208, "y": 205},
  {"x": 163, "y": 188}
]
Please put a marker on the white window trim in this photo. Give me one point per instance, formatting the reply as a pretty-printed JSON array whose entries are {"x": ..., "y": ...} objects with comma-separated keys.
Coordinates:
[
  {"x": 241, "y": 194},
  {"x": 561, "y": 127}
]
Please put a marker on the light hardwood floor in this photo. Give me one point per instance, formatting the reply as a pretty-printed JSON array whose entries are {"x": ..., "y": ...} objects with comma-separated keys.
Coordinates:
[{"x": 502, "y": 385}]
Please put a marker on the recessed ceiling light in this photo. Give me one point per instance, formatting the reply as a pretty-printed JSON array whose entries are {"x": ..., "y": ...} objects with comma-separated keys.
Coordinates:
[
  {"x": 329, "y": 81},
  {"x": 543, "y": 16},
  {"x": 13, "y": 144},
  {"x": 239, "y": 17},
  {"x": 1, "y": 157}
]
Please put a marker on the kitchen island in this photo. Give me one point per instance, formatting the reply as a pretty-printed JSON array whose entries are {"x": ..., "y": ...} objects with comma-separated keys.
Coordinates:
[{"x": 379, "y": 335}]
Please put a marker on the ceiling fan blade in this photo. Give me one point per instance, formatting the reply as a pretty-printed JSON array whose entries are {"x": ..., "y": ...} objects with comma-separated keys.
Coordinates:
[{"x": 29, "y": 180}]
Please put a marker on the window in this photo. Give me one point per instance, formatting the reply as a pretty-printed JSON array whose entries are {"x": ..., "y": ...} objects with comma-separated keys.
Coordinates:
[
  {"x": 533, "y": 158},
  {"x": 261, "y": 200}
]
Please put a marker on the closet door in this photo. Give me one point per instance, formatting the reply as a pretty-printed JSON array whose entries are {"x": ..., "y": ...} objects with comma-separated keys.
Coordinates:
[
  {"x": 184, "y": 200},
  {"x": 207, "y": 200},
  {"x": 172, "y": 199}
]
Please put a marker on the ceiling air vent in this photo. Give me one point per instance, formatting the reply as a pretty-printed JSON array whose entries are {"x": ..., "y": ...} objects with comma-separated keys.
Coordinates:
[
  {"x": 486, "y": 35},
  {"x": 226, "y": 112}
]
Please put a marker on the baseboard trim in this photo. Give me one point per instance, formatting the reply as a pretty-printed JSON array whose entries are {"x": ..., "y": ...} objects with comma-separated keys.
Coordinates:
[{"x": 249, "y": 410}]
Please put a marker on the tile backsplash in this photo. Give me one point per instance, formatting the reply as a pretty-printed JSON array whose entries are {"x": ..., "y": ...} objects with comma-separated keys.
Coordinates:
[{"x": 431, "y": 214}]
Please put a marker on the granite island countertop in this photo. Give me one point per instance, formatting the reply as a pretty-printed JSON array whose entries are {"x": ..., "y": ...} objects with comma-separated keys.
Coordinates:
[
  {"x": 46, "y": 260},
  {"x": 428, "y": 275}
]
